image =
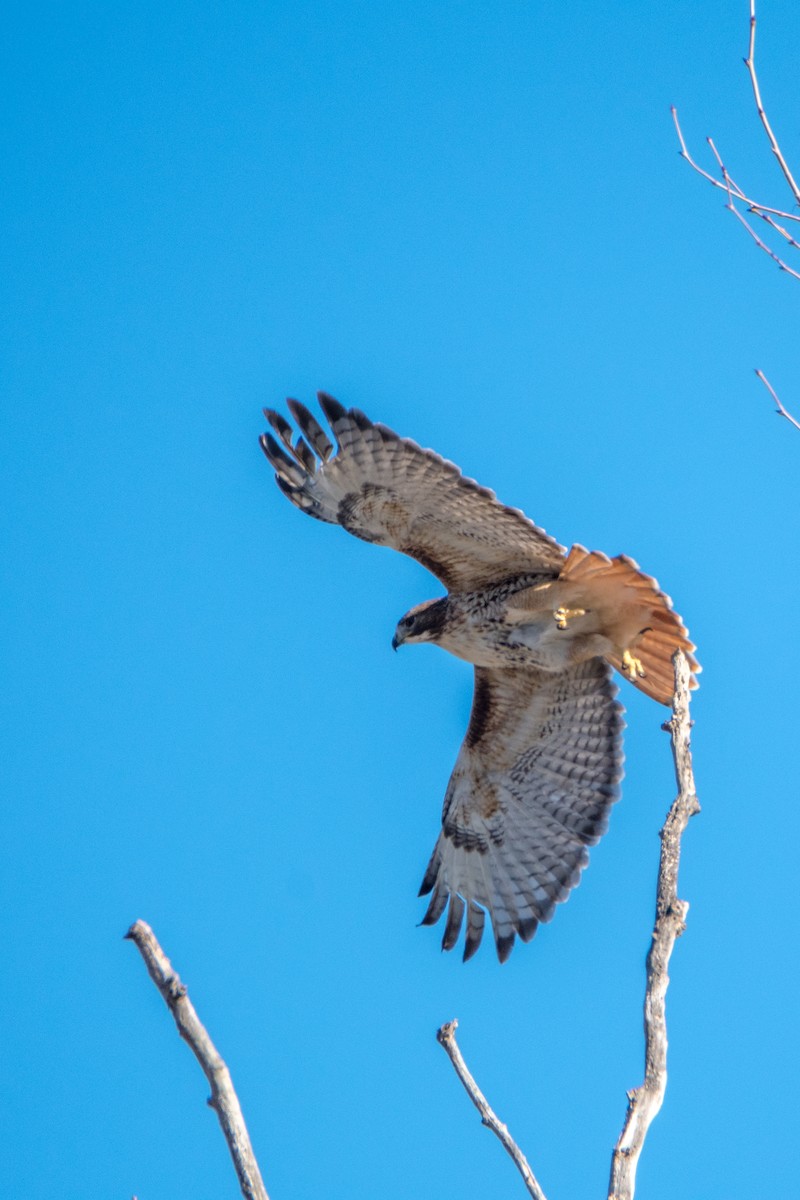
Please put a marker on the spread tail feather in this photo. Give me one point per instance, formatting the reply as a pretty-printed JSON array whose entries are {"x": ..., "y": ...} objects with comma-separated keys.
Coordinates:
[{"x": 657, "y": 630}]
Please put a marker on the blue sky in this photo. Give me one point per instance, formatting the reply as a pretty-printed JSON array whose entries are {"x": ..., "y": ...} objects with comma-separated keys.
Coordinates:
[{"x": 471, "y": 221}]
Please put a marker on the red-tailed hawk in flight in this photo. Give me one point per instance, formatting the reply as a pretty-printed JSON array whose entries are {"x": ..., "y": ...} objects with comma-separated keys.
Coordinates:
[{"x": 542, "y": 758}]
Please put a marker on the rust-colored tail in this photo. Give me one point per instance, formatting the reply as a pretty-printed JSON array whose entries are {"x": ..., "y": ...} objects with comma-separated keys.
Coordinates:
[{"x": 640, "y": 617}]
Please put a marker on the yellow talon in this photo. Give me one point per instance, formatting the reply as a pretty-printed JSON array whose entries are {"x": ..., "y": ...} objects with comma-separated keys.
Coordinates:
[
  {"x": 632, "y": 666},
  {"x": 562, "y": 615}
]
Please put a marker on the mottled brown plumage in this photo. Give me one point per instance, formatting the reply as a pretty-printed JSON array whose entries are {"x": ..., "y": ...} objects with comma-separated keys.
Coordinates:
[{"x": 542, "y": 757}]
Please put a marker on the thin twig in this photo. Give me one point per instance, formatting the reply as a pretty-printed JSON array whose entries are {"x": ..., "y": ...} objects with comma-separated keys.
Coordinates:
[
  {"x": 729, "y": 186},
  {"x": 684, "y": 152},
  {"x": 720, "y": 184},
  {"x": 223, "y": 1097},
  {"x": 783, "y": 412},
  {"x": 446, "y": 1037},
  {"x": 727, "y": 181},
  {"x": 773, "y": 224},
  {"x": 750, "y": 63},
  {"x": 737, "y": 194},
  {"x": 644, "y": 1102},
  {"x": 762, "y": 245},
  {"x": 776, "y": 212}
]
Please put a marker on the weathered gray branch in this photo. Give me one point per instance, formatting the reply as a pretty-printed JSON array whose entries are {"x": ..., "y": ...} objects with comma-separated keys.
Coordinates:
[
  {"x": 223, "y": 1098},
  {"x": 446, "y": 1037},
  {"x": 644, "y": 1102}
]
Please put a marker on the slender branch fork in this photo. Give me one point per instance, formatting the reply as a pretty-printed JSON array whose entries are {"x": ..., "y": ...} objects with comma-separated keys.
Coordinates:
[
  {"x": 223, "y": 1097},
  {"x": 645, "y": 1101},
  {"x": 736, "y": 195}
]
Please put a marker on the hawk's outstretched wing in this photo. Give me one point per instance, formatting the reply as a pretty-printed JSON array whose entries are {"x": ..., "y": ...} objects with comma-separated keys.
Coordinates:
[
  {"x": 542, "y": 758},
  {"x": 388, "y": 490},
  {"x": 532, "y": 787}
]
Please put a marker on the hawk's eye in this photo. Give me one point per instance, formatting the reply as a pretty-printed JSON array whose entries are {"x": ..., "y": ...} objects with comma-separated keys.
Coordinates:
[{"x": 407, "y": 622}]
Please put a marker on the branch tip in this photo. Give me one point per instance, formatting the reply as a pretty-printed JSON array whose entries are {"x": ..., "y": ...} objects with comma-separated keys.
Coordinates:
[
  {"x": 447, "y": 1032},
  {"x": 446, "y": 1037},
  {"x": 779, "y": 407},
  {"x": 223, "y": 1097}
]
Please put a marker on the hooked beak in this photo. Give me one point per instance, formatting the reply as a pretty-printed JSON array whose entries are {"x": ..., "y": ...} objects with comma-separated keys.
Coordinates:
[{"x": 396, "y": 641}]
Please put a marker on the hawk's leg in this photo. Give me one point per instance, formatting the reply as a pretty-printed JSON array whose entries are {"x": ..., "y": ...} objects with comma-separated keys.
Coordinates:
[
  {"x": 563, "y": 615},
  {"x": 632, "y": 667}
]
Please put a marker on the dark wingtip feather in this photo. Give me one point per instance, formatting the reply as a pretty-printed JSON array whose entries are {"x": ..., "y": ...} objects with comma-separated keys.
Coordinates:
[
  {"x": 361, "y": 419},
  {"x": 436, "y": 906},
  {"x": 455, "y": 916},
  {"x": 272, "y": 450},
  {"x": 280, "y": 425},
  {"x": 333, "y": 410},
  {"x": 283, "y": 464},
  {"x": 528, "y": 927},
  {"x": 312, "y": 429},
  {"x": 504, "y": 946},
  {"x": 431, "y": 871}
]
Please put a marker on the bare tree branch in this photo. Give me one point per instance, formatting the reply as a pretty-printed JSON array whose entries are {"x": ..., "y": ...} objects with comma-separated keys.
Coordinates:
[
  {"x": 740, "y": 203},
  {"x": 446, "y": 1037},
  {"x": 223, "y": 1097},
  {"x": 773, "y": 224},
  {"x": 783, "y": 412},
  {"x": 732, "y": 189},
  {"x": 722, "y": 184},
  {"x": 750, "y": 63},
  {"x": 736, "y": 195},
  {"x": 644, "y": 1102},
  {"x": 762, "y": 245}
]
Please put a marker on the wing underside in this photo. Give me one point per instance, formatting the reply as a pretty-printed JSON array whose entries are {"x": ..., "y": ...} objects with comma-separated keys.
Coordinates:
[{"x": 531, "y": 789}]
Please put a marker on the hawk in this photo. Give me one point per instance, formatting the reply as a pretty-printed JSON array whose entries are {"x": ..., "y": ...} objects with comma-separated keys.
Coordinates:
[{"x": 541, "y": 761}]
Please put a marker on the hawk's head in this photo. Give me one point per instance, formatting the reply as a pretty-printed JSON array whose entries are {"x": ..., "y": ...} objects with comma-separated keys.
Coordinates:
[{"x": 423, "y": 623}]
